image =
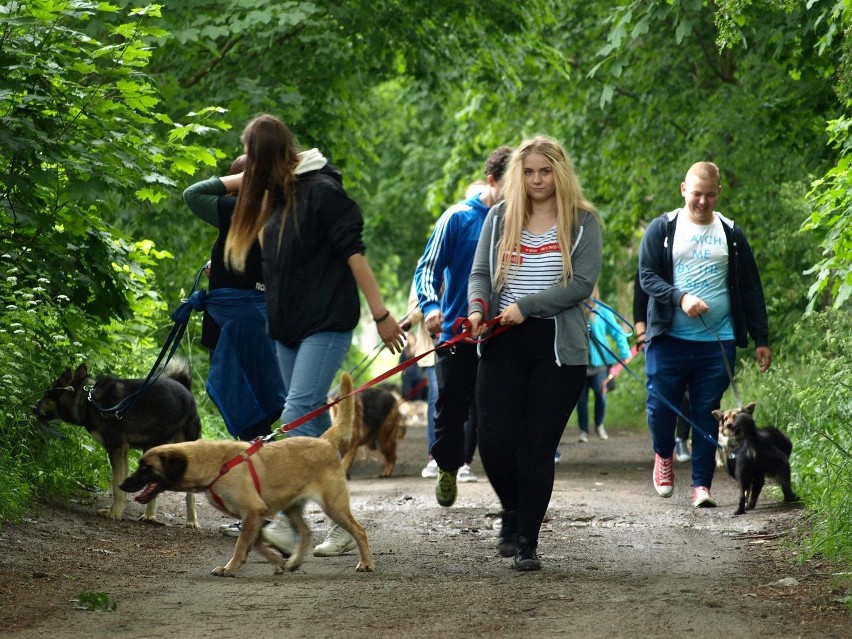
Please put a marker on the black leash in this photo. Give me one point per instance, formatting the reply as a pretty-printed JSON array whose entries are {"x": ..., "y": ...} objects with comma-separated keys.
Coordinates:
[{"x": 181, "y": 320}]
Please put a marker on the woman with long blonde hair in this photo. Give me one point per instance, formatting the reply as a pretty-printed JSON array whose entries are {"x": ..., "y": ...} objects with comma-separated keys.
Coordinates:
[{"x": 538, "y": 258}]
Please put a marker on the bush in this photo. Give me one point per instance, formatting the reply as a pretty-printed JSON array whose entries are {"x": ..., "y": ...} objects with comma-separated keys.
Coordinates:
[{"x": 810, "y": 398}]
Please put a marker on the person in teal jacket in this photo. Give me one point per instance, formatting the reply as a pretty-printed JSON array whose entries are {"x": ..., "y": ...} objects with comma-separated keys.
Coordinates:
[{"x": 602, "y": 323}]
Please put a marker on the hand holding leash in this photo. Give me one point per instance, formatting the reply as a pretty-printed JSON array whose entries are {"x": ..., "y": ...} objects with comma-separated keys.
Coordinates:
[
  {"x": 511, "y": 316},
  {"x": 476, "y": 328},
  {"x": 693, "y": 306}
]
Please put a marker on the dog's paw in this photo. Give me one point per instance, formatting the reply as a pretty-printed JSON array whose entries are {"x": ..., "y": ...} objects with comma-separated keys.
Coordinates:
[
  {"x": 222, "y": 571},
  {"x": 111, "y": 513},
  {"x": 193, "y": 524},
  {"x": 291, "y": 566},
  {"x": 362, "y": 567},
  {"x": 151, "y": 520}
]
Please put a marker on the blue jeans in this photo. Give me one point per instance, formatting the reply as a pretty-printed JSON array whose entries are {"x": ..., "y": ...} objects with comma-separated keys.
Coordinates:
[
  {"x": 595, "y": 382},
  {"x": 308, "y": 370},
  {"x": 672, "y": 365},
  {"x": 432, "y": 376}
]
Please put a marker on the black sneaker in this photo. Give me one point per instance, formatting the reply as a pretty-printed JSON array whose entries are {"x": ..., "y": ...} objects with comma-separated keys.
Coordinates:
[
  {"x": 507, "y": 540},
  {"x": 525, "y": 555}
]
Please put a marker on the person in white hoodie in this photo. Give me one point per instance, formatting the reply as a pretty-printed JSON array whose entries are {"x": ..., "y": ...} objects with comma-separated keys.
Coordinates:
[{"x": 313, "y": 265}]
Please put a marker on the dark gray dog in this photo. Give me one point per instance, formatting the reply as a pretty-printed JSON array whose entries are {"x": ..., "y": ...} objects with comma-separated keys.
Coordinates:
[
  {"x": 755, "y": 454},
  {"x": 164, "y": 414}
]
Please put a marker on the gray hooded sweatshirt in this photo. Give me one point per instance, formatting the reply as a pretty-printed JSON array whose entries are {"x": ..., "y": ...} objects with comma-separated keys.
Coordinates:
[{"x": 562, "y": 301}]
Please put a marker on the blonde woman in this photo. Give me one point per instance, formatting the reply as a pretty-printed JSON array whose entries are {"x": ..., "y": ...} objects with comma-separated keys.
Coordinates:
[{"x": 538, "y": 258}]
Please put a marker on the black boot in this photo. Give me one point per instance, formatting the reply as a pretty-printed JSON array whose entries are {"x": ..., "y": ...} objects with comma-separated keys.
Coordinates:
[
  {"x": 508, "y": 537},
  {"x": 525, "y": 556}
]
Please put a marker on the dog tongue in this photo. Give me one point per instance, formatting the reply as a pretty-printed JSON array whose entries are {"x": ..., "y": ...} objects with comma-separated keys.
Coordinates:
[{"x": 148, "y": 493}]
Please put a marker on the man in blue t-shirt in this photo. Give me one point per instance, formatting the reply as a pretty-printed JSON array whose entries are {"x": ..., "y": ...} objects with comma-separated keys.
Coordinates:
[{"x": 704, "y": 292}]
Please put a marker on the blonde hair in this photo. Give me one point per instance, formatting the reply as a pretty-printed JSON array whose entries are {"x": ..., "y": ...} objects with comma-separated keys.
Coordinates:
[
  {"x": 569, "y": 202},
  {"x": 704, "y": 171},
  {"x": 268, "y": 183}
]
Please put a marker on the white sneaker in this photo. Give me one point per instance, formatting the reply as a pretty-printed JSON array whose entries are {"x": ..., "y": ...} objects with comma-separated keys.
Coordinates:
[
  {"x": 430, "y": 471},
  {"x": 601, "y": 431},
  {"x": 465, "y": 475},
  {"x": 584, "y": 436},
  {"x": 681, "y": 450},
  {"x": 280, "y": 533},
  {"x": 337, "y": 542},
  {"x": 231, "y": 530}
]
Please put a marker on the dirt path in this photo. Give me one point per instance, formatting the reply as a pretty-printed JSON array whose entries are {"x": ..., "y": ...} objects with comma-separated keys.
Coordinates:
[{"x": 618, "y": 562}]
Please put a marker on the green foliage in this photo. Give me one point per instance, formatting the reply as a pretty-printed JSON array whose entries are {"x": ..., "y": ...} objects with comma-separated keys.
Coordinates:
[
  {"x": 831, "y": 221},
  {"x": 79, "y": 134},
  {"x": 810, "y": 398}
]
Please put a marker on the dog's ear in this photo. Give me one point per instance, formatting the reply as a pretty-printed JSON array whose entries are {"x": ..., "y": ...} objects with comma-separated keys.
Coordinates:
[
  {"x": 173, "y": 465},
  {"x": 717, "y": 414},
  {"x": 749, "y": 408},
  {"x": 81, "y": 372},
  {"x": 65, "y": 378}
]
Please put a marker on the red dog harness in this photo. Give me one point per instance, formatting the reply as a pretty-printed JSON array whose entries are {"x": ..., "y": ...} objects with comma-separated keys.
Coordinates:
[{"x": 244, "y": 456}]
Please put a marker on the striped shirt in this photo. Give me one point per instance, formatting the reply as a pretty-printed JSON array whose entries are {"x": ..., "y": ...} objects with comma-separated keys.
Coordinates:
[{"x": 538, "y": 267}]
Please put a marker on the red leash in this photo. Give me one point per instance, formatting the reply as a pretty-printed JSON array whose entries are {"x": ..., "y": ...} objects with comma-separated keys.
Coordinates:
[{"x": 461, "y": 326}]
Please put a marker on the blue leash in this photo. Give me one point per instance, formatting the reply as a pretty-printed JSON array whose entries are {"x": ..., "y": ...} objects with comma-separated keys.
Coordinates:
[
  {"x": 181, "y": 320},
  {"x": 648, "y": 385}
]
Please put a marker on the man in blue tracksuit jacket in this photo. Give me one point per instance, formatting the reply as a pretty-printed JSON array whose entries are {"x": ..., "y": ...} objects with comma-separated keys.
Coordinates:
[{"x": 446, "y": 263}]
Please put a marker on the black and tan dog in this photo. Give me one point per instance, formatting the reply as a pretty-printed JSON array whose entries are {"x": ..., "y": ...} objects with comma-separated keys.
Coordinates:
[
  {"x": 755, "y": 454},
  {"x": 253, "y": 482},
  {"x": 165, "y": 413},
  {"x": 378, "y": 425},
  {"x": 726, "y": 421}
]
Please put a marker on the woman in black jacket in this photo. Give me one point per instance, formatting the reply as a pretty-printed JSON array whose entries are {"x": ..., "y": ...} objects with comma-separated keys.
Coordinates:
[{"x": 313, "y": 264}]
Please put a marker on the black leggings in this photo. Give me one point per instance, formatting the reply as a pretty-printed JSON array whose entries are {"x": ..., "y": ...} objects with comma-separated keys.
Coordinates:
[{"x": 524, "y": 400}]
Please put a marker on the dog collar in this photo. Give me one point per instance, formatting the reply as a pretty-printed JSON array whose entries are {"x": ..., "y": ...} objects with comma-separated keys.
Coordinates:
[{"x": 84, "y": 395}]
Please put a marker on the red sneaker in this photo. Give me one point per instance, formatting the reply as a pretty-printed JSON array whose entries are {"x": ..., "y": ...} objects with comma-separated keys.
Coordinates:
[
  {"x": 663, "y": 476},
  {"x": 701, "y": 498}
]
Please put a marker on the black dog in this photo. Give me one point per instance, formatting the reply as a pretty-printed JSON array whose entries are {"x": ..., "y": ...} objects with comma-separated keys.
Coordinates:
[
  {"x": 758, "y": 453},
  {"x": 165, "y": 414}
]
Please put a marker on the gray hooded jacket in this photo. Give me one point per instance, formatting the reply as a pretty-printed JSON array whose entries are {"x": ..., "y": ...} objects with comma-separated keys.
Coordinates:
[{"x": 562, "y": 301}]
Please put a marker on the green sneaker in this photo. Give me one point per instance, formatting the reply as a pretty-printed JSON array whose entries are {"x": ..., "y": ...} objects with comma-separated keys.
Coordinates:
[{"x": 446, "y": 489}]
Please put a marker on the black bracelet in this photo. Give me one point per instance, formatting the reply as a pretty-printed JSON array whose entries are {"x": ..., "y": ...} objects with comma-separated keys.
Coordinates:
[{"x": 379, "y": 320}]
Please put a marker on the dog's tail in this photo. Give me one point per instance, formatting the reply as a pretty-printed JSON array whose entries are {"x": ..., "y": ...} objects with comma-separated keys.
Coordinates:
[
  {"x": 177, "y": 369},
  {"x": 340, "y": 433}
]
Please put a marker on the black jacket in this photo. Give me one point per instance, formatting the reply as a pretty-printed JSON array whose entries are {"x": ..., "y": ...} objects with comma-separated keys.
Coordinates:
[
  {"x": 656, "y": 274},
  {"x": 309, "y": 285}
]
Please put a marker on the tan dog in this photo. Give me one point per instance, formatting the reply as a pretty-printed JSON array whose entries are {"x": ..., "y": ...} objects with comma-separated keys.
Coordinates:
[
  {"x": 279, "y": 476},
  {"x": 726, "y": 421}
]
